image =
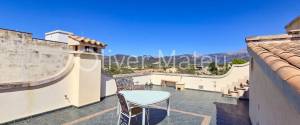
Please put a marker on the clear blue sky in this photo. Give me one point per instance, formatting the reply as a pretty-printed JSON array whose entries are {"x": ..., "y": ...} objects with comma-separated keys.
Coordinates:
[{"x": 142, "y": 27}]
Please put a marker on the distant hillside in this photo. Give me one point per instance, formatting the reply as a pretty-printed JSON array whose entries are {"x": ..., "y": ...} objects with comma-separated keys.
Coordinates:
[{"x": 152, "y": 61}]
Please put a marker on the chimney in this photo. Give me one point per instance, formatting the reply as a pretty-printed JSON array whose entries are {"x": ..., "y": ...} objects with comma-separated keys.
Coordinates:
[
  {"x": 293, "y": 28},
  {"x": 58, "y": 35}
]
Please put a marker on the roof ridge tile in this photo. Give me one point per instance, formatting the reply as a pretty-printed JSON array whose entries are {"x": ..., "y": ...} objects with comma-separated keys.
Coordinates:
[
  {"x": 87, "y": 40},
  {"x": 294, "y": 83},
  {"x": 279, "y": 64},
  {"x": 287, "y": 72}
]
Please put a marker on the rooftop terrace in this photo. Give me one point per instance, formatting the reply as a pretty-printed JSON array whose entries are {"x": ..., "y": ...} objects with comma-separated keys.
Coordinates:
[{"x": 187, "y": 107}]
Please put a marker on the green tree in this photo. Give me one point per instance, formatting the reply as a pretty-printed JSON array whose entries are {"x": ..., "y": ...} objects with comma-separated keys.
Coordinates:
[
  {"x": 213, "y": 68},
  {"x": 112, "y": 70},
  {"x": 187, "y": 70},
  {"x": 191, "y": 70},
  {"x": 124, "y": 70},
  {"x": 238, "y": 61}
]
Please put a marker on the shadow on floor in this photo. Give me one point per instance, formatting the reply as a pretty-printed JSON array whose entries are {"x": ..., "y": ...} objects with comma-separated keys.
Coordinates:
[
  {"x": 230, "y": 114},
  {"x": 155, "y": 117}
]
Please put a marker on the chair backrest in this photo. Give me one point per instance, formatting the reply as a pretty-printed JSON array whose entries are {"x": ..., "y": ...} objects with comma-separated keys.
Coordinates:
[
  {"x": 124, "y": 83},
  {"x": 123, "y": 103}
]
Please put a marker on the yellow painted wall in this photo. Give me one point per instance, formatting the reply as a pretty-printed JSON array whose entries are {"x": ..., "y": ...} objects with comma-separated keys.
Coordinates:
[
  {"x": 89, "y": 79},
  {"x": 81, "y": 86}
]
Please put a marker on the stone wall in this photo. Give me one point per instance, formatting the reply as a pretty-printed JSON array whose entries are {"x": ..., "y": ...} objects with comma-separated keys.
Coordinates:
[
  {"x": 44, "y": 76},
  {"x": 24, "y": 58}
]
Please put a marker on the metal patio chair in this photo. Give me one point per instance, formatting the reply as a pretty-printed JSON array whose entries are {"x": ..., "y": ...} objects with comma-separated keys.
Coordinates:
[
  {"x": 127, "y": 111},
  {"x": 126, "y": 83}
]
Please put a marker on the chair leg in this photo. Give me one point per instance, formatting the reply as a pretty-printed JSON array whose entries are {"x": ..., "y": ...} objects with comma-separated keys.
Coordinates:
[
  {"x": 136, "y": 119},
  {"x": 129, "y": 120},
  {"x": 119, "y": 119},
  {"x": 148, "y": 115}
]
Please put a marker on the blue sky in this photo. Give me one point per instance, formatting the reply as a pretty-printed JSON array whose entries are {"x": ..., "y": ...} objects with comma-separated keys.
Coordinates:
[{"x": 142, "y": 27}]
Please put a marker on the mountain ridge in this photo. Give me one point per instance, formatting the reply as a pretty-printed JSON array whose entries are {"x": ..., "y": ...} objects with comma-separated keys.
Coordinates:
[{"x": 194, "y": 59}]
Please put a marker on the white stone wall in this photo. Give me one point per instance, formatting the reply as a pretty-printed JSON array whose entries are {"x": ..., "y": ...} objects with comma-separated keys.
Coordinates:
[
  {"x": 19, "y": 104},
  {"x": 25, "y": 59},
  {"x": 108, "y": 86},
  {"x": 207, "y": 83}
]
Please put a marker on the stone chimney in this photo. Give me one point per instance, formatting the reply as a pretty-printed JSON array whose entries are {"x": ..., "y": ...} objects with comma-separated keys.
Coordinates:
[
  {"x": 58, "y": 35},
  {"x": 293, "y": 28}
]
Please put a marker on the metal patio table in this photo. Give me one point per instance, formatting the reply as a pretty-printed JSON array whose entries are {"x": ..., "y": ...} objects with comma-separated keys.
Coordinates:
[{"x": 146, "y": 98}]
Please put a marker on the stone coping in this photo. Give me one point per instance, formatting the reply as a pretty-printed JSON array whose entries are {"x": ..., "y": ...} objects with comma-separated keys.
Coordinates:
[{"x": 183, "y": 75}]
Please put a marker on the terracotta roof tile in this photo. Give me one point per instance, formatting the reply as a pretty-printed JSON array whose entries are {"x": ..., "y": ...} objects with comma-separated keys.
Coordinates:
[
  {"x": 283, "y": 57},
  {"x": 267, "y": 37},
  {"x": 265, "y": 55},
  {"x": 271, "y": 59},
  {"x": 87, "y": 40},
  {"x": 286, "y": 55},
  {"x": 295, "y": 83},
  {"x": 295, "y": 60},
  {"x": 297, "y": 52},
  {"x": 277, "y": 51},
  {"x": 260, "y": 52},
  {"x": 279, "y": 64},
  {"x": 287, "y": 72}
]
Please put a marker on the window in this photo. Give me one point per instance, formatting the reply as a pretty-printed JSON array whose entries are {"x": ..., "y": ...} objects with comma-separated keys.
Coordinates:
[
  {"x": 95, "y": 49},
  {"x": 76, "y": 48},
  {"x": 87, "y": 49}
]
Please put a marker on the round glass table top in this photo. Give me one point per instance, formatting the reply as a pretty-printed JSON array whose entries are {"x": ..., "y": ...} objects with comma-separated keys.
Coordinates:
[{"x": 145, "y": 97}]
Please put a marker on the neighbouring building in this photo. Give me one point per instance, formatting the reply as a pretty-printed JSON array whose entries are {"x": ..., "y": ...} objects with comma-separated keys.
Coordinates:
[
  {"x": 275, "y": 77},
  {"x": 42, "y": 75}
]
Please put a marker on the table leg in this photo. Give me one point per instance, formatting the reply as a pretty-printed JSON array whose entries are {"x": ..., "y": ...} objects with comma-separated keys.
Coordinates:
[
  {"x": 144, "y": 116},
  {"x": 168, "y": 108}
]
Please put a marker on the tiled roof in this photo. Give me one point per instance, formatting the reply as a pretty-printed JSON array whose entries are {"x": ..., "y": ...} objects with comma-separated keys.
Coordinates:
[
  {"x": 293, "y": 26},
  {"x": 87, "y": 40},
  {"x": 282, "y": 57},
  {"x": 268, "y": 37}
]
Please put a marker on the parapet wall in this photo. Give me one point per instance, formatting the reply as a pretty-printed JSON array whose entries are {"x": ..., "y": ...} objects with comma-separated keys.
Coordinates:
[
  {"x": 220, "y": 83},
  {"x": 39, "y": 76},
  {"x": 216, "y": 83},
  {"x": 24, "y": 58}
]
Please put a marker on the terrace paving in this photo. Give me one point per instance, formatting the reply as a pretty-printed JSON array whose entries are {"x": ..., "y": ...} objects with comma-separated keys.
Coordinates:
[{"x": 188, "y": 107}]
